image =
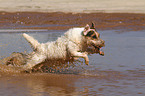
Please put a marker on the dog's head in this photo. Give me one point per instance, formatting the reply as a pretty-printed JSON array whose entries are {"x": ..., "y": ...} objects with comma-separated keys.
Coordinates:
[{"x": 93, "y": 37}]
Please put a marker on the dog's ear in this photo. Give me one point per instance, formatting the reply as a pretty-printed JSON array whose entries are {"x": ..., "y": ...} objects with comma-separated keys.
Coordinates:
[
  {"x": 92, "y": 26},
  {"x": 87, "y": 27}
]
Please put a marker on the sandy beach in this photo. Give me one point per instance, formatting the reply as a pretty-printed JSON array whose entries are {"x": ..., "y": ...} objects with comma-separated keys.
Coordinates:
[{"x": 73, "y": 6}]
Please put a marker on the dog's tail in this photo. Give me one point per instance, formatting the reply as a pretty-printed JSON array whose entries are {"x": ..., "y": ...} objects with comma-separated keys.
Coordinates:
[{"x": 34, "y": 43}]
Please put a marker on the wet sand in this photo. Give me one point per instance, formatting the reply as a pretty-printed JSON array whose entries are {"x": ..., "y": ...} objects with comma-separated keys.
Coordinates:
[{"x": 64, "y": 21}]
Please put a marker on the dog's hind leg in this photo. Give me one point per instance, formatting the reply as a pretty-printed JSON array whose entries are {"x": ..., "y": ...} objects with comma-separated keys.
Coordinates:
[
  {"x": 34, "y": 43},
  {"x": 34, "y": 60}
]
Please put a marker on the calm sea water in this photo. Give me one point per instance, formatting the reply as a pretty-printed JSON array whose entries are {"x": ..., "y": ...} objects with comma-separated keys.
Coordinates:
[{"x": 121, "y": 72}]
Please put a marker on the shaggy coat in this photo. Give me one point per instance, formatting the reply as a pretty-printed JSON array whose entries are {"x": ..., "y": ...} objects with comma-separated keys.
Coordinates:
[{"x": 75, "y": 43}]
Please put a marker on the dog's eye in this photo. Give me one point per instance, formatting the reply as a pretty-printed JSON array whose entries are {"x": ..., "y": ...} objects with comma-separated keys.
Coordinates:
[
  {"x": 94, "y": 37},
  {"x": 90, "y": 33}
]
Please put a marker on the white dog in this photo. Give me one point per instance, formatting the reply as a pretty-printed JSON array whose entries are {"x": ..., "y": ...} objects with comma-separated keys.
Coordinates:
[{"x": 76, "y": 43}]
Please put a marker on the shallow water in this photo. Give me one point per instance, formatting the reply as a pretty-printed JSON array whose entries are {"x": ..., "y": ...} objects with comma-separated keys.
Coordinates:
[{"x": 121, "y": 72}]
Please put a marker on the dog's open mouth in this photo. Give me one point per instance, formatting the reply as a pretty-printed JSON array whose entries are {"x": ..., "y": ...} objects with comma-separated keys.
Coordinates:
[{"x": 97, "y": 48}]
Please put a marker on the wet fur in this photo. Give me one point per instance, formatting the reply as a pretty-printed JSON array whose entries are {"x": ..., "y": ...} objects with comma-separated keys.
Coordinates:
[{"x": 75, "y": 43}]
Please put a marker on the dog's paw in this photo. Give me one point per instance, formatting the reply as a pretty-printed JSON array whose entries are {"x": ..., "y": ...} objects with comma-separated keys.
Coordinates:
[{"x": 87, "y": 62}]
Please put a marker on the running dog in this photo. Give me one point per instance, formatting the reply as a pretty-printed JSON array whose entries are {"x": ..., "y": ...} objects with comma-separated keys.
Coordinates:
[{"x": 75, "y": 43}]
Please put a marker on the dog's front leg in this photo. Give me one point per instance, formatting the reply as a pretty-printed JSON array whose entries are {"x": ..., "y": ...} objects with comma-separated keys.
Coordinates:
[
  {"x": 74, "y": 51},
  {"x": 81, "y": 55}
]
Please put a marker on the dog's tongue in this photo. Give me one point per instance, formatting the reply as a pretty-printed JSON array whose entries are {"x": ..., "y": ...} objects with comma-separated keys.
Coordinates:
[{"x": 101, "y": 52}]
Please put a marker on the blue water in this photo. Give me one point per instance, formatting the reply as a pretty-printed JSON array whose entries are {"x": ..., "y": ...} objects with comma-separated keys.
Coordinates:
[{"x": 121, "y": 72}]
